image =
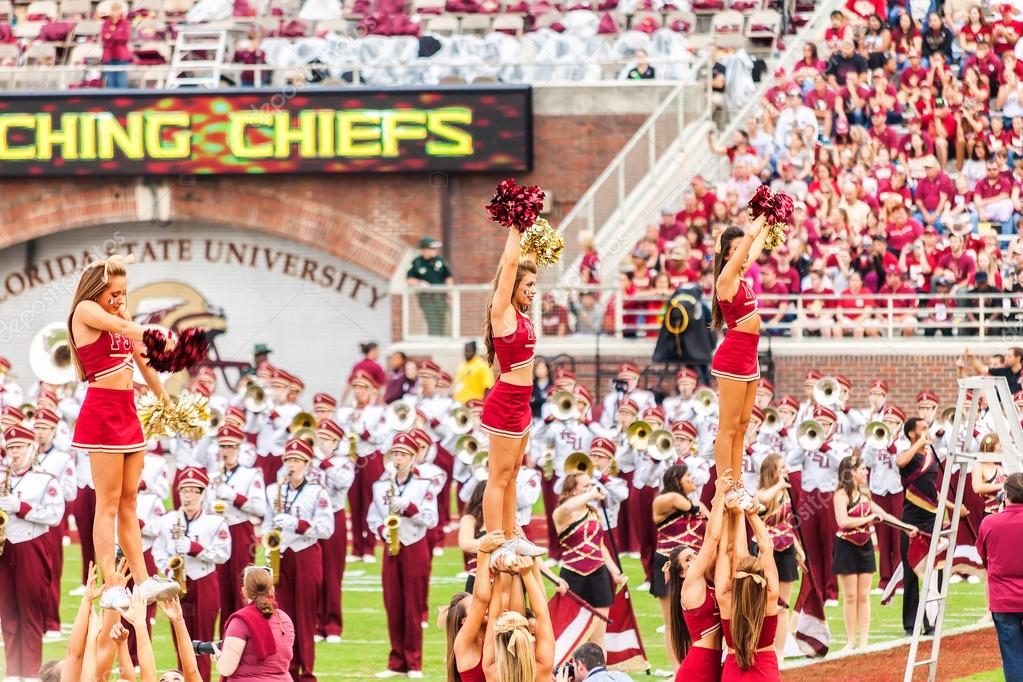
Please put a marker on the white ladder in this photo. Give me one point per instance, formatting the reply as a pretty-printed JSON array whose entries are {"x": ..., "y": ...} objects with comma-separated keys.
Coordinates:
[
  {"x": 995, "y": 390},
  {"x": 191, "y": 64}
]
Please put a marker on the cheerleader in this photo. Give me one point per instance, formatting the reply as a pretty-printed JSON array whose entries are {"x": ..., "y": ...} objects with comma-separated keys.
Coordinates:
[
  {"x": 774, "y": 492},
  {"x": 517, "y": 649},
  {"x": 103, "y": 342},
  {"x": 680, "y": 522},
  {"x": 988, "y": 478},
  {"x": 465, "y": 620},
  {"x": 470, "y": 533},
  {"x": 694, "y": 610},
  {"x": 853, "y": 561},
  {"x": 509, "y": 338},
  {"x": 586, "y": 563},
  {"x": 735, "y": 362}
]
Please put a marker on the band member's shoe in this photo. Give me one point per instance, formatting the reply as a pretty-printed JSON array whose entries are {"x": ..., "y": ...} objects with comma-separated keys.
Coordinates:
[
  {"x": 387, "y": 674},
  {"x": 333, "y": 639},
  {"x": 369, "y": 559},
  {"x": 115, "y": 598},
  {"x": 158, "y": 588},
  {"x": 524, "y": 547},
  {"x": 77, "y": 592},
  {"x": 415, "y": 674}
]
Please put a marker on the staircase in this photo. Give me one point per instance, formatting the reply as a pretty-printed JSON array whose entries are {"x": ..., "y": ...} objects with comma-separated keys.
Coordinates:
[{"x": 198, "y": 57}]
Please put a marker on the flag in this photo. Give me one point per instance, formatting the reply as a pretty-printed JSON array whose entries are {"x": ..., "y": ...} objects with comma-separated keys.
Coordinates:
[
  {"x": 919, "y": 546},
  {"x": 812, "y": 632},
  {"x": 624, "y": 647},
  {"x": 572, "y": 626}
]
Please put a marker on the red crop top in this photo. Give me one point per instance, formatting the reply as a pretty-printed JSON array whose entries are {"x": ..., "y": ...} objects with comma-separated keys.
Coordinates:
[
  {"x": 516, "y": 349},
  {"x": 474, "y": 674},
  {"x": 860, "y": 535},
  {"x": 705, "y": 619},
  {"x": 742, "y": 307},
  {"x": 767, "y": 632},
  {"x": 106, "y": 356}
]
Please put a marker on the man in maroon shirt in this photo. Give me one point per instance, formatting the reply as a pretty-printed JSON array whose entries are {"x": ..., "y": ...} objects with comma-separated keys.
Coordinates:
[
  {"x": 669, "y": 229},
  {"x": 901, "y": 229},
  {"x": 703, "y": 194},
  {"x": 822, "y": 100},
  {"x": 998, "y": 545},
  {"x": 992, "y": 198},
  {"x": 787, "y": 274},
  {"x": 934, "y": 191},
  {"x": 856, "y": 309},
  {"x": 881, "y": 132},
  {"x": 958, "y": 262},
  {"x": 985, "y": 61},
  {"x": 116, "y": 34},
  {"x": 901, "y": 299},
  {"x": 914, "y": 68}
]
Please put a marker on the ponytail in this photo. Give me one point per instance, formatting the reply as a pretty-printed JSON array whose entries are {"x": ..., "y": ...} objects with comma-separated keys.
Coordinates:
[{"x": 258, "y": 586}]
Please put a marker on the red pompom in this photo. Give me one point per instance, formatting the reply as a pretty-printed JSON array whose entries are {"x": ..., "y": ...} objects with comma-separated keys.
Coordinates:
[
  {"x": 516, "y": 206},
  {"x": 760, "y": 204},
  {"x": 191, "y": 349},
  {"x": 781, "y": 209}
]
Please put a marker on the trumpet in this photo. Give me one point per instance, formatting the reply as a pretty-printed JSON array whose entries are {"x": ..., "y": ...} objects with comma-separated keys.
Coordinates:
[
  {"x": 5, "y": 490},
  {"x": 661, "y": 445},
  {"x": 392, "y": 523},
  {"x": 772, "y": 421},
  {"x": 878, "y": 435},
  {"x": 579, "y": 463},
  {"x": 459, "y": 421},
  {"x": 255, "y": 399},
  {"x": 401, "y": 416},
  {"x": 466, "y": 448},
  {"x": 481, "y": 466},
  {"x": 810, "y": 435},
  {"x": 274, "y": 538},
  {"x": 706, "y": 402},
  {"x": 638, "y": 434},
  {"x": 826, "y": 392},
  {"x": 177, "y": 562},
  {"x": 563, "y": 406}
]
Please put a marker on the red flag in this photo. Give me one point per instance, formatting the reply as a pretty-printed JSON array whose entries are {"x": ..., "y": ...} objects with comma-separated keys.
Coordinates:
[
  {"x": 572, "y": 626},
  {"x": 812, "y": 634},
  {"x": 624, "y": 647}
]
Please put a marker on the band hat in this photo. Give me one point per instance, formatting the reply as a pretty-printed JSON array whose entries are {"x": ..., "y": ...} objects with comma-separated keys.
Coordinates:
[
  {"x": 685, "y": 429},
  {"x": 206, "y": 372},
  {"x": 427, "y": 368},
  {"x": 229, "y": 434},
  {"x": 194, "y": 477},
  {"x": 200, "y": 388},
  {"x": 324, "y": 400},
  {"x": 293, "y": 381},
  {"x": 821, "y": 412},
  {"x": 879, "y": 386},
  {"x": 582, "y": 393},
  {"x": 629, "y": 405},
  {"x": 404, "y": 442},
  {"x": 46, "y": 417},
  {"x": 894, "y": 413},
  {"x": 758, "y": 413},
  {"x": 843, "y": 381},
  {"x": 789, "y": 402},
  {"x": 422, "y": 438},
  {"x": 812, "y": 375},
  {"x": 19, "y": 434},
  {"x": 767, "y": 385},
  {"x": 13, "y": 413},
  {"x": 604, "y": 446},
  {"x": 686, "y": 373},
  {"x": 444, "y": 380},
  {"x": 653, "y": 413},
  {"x": 330, "y": 429},
  {"x": 1016, "y": 398},
  {"x": 48, "y": 396},
  {"x": 5, "y": 364},
  {"x": 235, "y": 413},
  {"x": 927, "y": 398},
  {"x": 298, "y": 449},
  {"x": 628, "y": 371},
  {"x": 364, "y": 378}
]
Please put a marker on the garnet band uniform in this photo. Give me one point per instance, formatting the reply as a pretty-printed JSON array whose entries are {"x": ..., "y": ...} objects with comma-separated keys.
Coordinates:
[
  {"x": 107, "y": 421},
  {"x": 60, "y": 465},
  {"x": 335, "y": 475},
  {"x": 367, "y": 423},
  {"x": 506, "y": 409},
  {"x": 25, "y": 569},
  {"x": 646, "y": 482},
  {"x": 736, "y": 357},
  {"x": 886, "y": 490},
  {"x": 149, "y": 509},
  {"x": 85, "y": 511}
]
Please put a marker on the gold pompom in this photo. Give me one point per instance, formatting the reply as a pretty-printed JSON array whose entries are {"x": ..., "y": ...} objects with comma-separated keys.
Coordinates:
[
  {"x": 775, "y": 236},
  {"x": 188, "y": 416},
  {"x": 544, "y": 242}
]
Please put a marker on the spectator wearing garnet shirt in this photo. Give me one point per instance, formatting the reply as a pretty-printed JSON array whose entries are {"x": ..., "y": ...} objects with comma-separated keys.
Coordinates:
[
  {"x": 934, "y": 192},
  {"x": 788, "y": 275},
  {"x": 856, "y": 310},
  {"x": 919, "y": 259},
  {"x": 957, "y": 263},
  {"x": 817, "y": 314},
  {"x": 775, "y": 312},
  {"x": 992, "y": 199},
  {"x": 880, "y": 131},
  {"x": 821, "y": 99},
  {"x": 986, "y": 63},
  {"x": 837, "y": 32},
  {"x": 902, "y": 299},
  {"x": 901, "y": 229},
  {"x": 743, "y": 182},
  {"x": 704, "y": 195},
  {"x": 669, "y": 229},
  {"x": 589, "y": 268},
  {"x": 941, "y": 308},
  {"x": 789, "y": 183},
  {"x": 679, "y": 268},
  {"x": 116, "y": 34},
  {"x": 692, "y": 212}
]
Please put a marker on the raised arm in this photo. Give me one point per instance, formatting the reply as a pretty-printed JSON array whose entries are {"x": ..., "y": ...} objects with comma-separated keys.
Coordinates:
[
  {"x": 544, "y": 628},
  {"x": 77, "y": 642},
  {"x": 481, "y": 591},
  {"x": 906, "y": 456},
  {"x": 92, "y": 314},
  {"x": 757, "y": 247},
  {"x": 496, "y": 599},
  {"x": 709, "y": 549},
  {"x": 765, "y": 547},
  {"x": 722, "y": 566},
  {"x": 735, "y": 267},
  {"x": 501, "y": 313},
  {"x": 189, "y": 667},
  {"x": 137, "y": 616}
]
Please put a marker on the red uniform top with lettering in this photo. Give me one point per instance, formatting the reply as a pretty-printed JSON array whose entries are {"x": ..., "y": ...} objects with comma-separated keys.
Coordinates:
[
  {"x": 860, "y": 509},
  {"x": 781, "y": 524},
  {"x": 209, "y": 542},
  {"x": 581, "y": 544},
  {"x": 60, "y": 465},
  {"x": 310, "y": 505},
  {"x": 106, "y": 356},
  {"x": 413, "y": 500},
  {"x": 680, "y": 528},
  {"x": 243, "y": 492},
  {"x": 742, "y": 307},
  {"x": 515, "y": 350},
  {"x": 42, "y": 506}
]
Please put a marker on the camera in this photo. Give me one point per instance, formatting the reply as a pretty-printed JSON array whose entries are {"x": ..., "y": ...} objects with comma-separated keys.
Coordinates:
[
  {"x": 204, "y": 648},
  {"x": 620, "y": 385},
  {"x": 568, "y": 668}
]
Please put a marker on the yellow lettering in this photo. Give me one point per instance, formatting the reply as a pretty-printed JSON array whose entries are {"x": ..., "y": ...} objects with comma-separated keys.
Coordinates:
[
  {"x": 325, "y": 133},
  {"x": 17, "y": 153},
  {"x": 87, "y": 136},
  {"x": 237, "y": 139},
  {"x": 454, "y": 141},
  {"x": 355, "y": 129},
  {"x": 128, "y": 139},
  {"x": 304, "y": 135},
  {"x": 47, "y": 137},
  {"x": 395, "y": 130},
  {"x": 179, "y": 146}
]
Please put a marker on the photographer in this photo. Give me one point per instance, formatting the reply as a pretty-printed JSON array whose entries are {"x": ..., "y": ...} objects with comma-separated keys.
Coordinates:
[
  {"x": 258, "y": 638},
  {"x": 588, "y": 663}
]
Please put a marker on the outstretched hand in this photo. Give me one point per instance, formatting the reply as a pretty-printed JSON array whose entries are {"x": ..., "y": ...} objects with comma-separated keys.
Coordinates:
[{"x": 171, "y": 608}]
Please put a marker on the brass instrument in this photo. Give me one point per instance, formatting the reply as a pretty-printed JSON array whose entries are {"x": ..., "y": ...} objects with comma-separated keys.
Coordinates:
[
  {"x": 393, "y": 522},
  {"x": 638, "y": 434},
  {"x": 274, "y": 538},
  {"x": 216, "y": 421},
  {"x": 706, "y": 402},
  {"x": 400, "y": 416},
  {"x": 579, "y": 463},
  {"x": 810, "y": 435},
  {"x": 177, "y": 562},
  {"x": 563, "y": 406},
  {"x": 466, "y": 448},
  {"x": 946, "y": 417},
  {"x": 308, "y": 435},
  {"x": 481, "y": 466},
  {"x": 302, "y": 420},
  {"x": 255, "y": 398},
  {"x": 29, "y": 412},
  {"x": 547, "y": 462},
  {"x": 878, "y": 435},
  {"x": 826, "y": 392},
  {"x": 772, "y": 421},
  {"x": 459, "y": 421},
  {"x": 5, "y": 490},
  {"x": 353, "y": 451},
  {"x": 49, "y": 355},
  {"x": 219, "y": 505},
  {"x": 661, "y": 445}
]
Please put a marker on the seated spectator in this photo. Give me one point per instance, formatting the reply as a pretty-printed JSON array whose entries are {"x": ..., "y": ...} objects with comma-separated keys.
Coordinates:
[
  {"x": 933, "y": 194},
  {"x": 789, "y": 183},
  {"x": 939, "y": 318},
  {"x": 906, "y": 40},
  {"x": 876, "y": 39},
  {"x": 589, "y": 267},
  {"x": 937, "y": 38},
  {"x": 920, "y": 259},
  {"x": 845, "y": 61},
  {"x": 795, "y": 120},
  {"x": 898, "y": 300},
  {"x": 855, "y": 209},
  {"x": 821, "y": 100},
  {"x": 692, "y": 213},
  {"x": 669, "y": 229},
  {"x": 959, "y": 214},
  {"x": 901, "y": 229},
  {"x": 856, "y": 310},
  {"x": 986, "y": 299},
  {"x": 992, "y": 200},
  {"x": 553, "y": 316},
  {"x": 679, "y": 266},
  {"x": 775, "y": 312},
  {"x": 743, "y": 182},
  {"x": 874, "y": 260},
  {"x": 838, "y": 32},
  {"x": 816, "y": 317},
  {"x": 807, "y": 69},
  {"x": 957, "y": 264},
  {"x": 588, "y": 314},
  {"x": 642, "y": 70}
]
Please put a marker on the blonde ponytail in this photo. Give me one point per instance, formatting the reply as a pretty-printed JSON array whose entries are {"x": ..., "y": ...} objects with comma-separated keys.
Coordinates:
[{"x": 514, "y": 651}]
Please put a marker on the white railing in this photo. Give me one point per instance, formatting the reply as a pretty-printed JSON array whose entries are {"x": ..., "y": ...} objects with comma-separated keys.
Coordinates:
[{"x": 458, "y": 314}]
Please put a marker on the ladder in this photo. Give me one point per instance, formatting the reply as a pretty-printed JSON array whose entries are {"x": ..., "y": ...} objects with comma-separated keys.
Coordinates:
[
  {"x": 995, "y": 390},
  {"x": 198, "y": 57}
]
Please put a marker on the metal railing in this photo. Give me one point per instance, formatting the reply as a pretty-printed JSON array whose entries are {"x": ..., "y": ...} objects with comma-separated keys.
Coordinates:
[{"x": 456, "y": 313}]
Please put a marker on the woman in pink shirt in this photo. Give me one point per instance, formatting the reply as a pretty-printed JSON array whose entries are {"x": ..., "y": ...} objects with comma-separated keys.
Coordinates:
[{"x": 258, "y": 639}]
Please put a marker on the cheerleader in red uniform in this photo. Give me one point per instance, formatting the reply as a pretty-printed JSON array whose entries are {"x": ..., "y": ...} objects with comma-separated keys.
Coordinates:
[
  {"x": 104, "y": 342},
  {"x": 465, "y": 620},
  {"x": 680, "y": 522},
  {"x": 694, "y": 621},
  {"x": 735, "y": 362},
  {"x": 509, "y": 338}
]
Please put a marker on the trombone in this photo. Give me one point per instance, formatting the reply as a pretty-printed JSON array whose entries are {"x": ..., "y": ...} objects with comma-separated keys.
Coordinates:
[
  {"x": 638, "y": 434},
  {"x": 563, "y": 406}
]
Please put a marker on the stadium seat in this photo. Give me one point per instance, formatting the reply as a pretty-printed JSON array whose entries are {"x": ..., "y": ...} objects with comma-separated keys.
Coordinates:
[
  {"x": 103, "y": 8},
  {"x": 681, "y": 21},
  {"x": 87, "y": 29},
  {"x": 726, "y": 28},
  {"x": 478, "y": 24},
  {"x": 39, "y": 10},
  {"x": 152, "y": 8},
  {"x": 177, "y": 8},
  {"x": 9, "y": 52},
  {"x": 427, "y": 6},
  {"x": 28, "y": 30},
  {"x": 41, "y": 53},
  {"x": 442, "y": 25},
  {"x": 511, "y": 24},
  {"x": 764, "y": 23},
  {"x": 7, "y": 10},
  {"x": 75, "y": 9},
  {"x": 85, "y": 54}
]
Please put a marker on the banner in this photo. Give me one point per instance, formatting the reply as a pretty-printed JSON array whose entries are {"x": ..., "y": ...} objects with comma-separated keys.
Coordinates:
[{"x": 236, "y": 131}]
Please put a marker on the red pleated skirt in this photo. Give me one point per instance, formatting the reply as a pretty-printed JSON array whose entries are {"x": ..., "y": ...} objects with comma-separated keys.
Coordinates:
[
  {"x": 700, "y": 665},
  {"x": 736, "y": 358},
  {"x": 108, "y": 422},
  {"x": 506, "y": 410},
  {"x": 765, "y": 669}
]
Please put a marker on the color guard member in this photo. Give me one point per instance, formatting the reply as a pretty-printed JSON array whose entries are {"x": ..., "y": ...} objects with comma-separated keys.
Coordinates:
[{"x": 365, "y": 421}]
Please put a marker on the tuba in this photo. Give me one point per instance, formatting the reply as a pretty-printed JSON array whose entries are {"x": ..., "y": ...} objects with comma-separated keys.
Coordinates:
[
  {"x": 466, "y": 448},
  {"x": 459, "y": 421},
  {"x": 826, "y": 392},
  {"x": 274, "y": 538},
  {"x": 255, "y": 398},
  {"x": 563, "y": 406},
  {"x": 393, "y": 521},
  {"x": 772, "y": 421},
  {"x": 706, "y": 402},
  {"x": 638, "y": 434},
  {"x": 29, "y": 410},
  {"x": 810, "y": 435},
  {"x": 661, "y": 445},
  {"x": 49, "y": 355},
  {"x": 400, "y": 416},
  {"x": 877, "y": 435},
  {"x": 578, "y": 463},
  {"x": 5, "y": 489},
  {"x": 177, "y": 562}
]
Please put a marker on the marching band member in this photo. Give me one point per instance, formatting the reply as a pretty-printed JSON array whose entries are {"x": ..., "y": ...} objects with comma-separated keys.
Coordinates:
[
  {"x": 240, "y": 490},
  {"x": 885, "y": 486},
  {"x": 409, "y": 501},
  {"x": 765, "y": 394},
  {"x": 850, "y": 421},
  {"x": 584, "y": 406},
  {"x": 438, "y": 479},
  {"x": 625, "y": 389},
  {"x": 773, "y": 491},
  {"x": 680, "y": 522},
  {"x": 707, "y": 422},
  {"x": 685, "y": 436},
  {"x": 365, "y": 421},
  {"x": 60, "y": 465},
  {"x": 33, "y": 503},
  {"x": 819, "y": 481},
  {"x": 646, "y": 481},
  {"x": 324, "y": 407},
  {"x": 462, "y": 471},
  {"x": 754, "y": 452},
  {"x": 807, "y": 404},
  {"x": 615, "y": 490},
  {"x": 927, "y": 409},
  {"x": 988, "y": 478},
  {"x": 301, "y": 511},
  {"x": 436, "y": 406},
  {"x": 84, "y": 510},
  {"x": 681, "y": 407},
  {"x": 66, "y": 410},
  {"x": 10, "y": 417},
  {"x": 586, "y": 564},
  {"x": 527, "y": 492},
  {"x": 202, "y": 542},
  {"x": 10, "y": 392},
  {"x": 625, "y": 456},
  {"x": 780, "y": 439},
  {"x": 287, "y": 387},
  {"x": 336, "y": 472},
  {"x": 877, "y": 397}
]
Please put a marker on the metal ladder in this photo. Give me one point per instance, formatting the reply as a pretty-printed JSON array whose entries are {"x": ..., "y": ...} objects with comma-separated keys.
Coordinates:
[
  {"x": 1010, "y": 436},
  {"x": 191, "y": 64}
]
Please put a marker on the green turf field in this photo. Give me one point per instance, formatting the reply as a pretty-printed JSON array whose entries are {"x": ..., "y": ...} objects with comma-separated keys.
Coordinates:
[{"x": 364, "y": 649}]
